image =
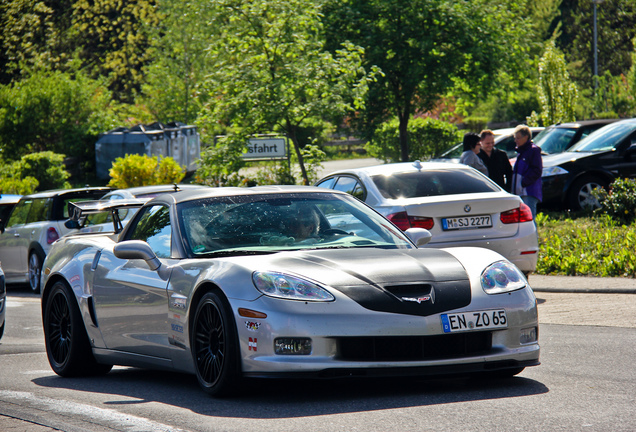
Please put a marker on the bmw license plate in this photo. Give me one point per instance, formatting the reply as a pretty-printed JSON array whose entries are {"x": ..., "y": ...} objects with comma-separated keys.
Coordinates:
[
  {"x": 467, "y": 222},
  {"x": 478, "y": 320}
]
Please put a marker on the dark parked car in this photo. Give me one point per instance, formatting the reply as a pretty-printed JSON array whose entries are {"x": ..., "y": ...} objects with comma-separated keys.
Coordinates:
[
  {"x": 569, "y": 178},
  {"x": 35, "y": 223},
  {"x": 3, "y": 302},
  {"x": 560, "y": 137}
]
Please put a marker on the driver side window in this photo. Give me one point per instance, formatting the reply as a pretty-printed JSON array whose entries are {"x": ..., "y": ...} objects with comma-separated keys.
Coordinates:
[{"x": 153, "y": 227}]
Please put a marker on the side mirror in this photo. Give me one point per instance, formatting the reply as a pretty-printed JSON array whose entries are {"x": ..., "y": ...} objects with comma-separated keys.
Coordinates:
[
  {"x": 137, "y": 249},
  {"x": 419, "y": 236},
  {"x": 72, "y": 224}
]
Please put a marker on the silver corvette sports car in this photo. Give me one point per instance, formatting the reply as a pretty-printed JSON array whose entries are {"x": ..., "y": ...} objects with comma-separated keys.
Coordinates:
[{"x": 229, "y": 283}]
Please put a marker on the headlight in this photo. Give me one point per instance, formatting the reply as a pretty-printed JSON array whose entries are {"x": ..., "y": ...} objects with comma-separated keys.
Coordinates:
[
  {"x": 553, "y": 171},
  {"x": 502, "y": 277},
  {"x": 288, "y": 287}
]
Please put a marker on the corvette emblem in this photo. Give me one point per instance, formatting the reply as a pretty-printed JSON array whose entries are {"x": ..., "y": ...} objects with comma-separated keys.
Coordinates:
[
  {"x": 467, "y": 208},
  {"x": 425, "y": 298}
]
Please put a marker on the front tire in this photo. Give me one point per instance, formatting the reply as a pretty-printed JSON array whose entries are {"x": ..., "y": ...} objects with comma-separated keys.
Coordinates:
[
  {"x": 581, "y": 194},
  {"x": 35, "y": 271},
  {"x": 67, "y": 346},
  {"x": 214, "y": 346}
]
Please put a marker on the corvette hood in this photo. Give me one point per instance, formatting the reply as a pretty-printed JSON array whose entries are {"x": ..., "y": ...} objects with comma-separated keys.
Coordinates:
[{"x": 415, "y": 281}]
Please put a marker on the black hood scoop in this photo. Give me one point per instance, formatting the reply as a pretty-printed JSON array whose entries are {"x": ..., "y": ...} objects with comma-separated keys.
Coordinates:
[{"x": 423, "y": 282}]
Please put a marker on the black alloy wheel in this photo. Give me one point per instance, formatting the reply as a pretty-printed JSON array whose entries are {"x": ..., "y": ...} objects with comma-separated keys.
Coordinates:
[
  {"x": 67, "y": 346},
  {"x": 214, "y": 346}
]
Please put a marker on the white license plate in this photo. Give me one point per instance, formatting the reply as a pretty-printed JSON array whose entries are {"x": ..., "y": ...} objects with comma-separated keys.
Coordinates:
[
  {"x": 467, "y": 222},
  {"x": 477, "y": 320}
]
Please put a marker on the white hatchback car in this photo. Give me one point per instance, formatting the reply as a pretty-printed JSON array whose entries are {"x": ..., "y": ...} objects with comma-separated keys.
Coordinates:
[
  {"x": 35, "y": 223},
  {"x": 456, "y": 203}
]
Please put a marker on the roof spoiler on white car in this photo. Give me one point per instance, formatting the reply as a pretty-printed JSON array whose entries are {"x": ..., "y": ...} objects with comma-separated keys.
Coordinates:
[{"x": 79, "y": 210}]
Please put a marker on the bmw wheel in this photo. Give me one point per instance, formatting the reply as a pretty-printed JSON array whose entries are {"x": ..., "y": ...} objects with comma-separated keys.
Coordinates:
[
  {"x": 67, "y": 346},
  {"x": 35, "y": 271},
  {"x": 214, "y": 346}
]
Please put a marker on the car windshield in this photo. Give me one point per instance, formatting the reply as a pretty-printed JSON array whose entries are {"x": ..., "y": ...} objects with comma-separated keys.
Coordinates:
[
  {"x": 454, "y": 152},
  {"x": 554, "y": 140},
  {"x": 605, "y": 138},
  {"x": 252, "y": 224},
  {"x": 434, "y": 182}
]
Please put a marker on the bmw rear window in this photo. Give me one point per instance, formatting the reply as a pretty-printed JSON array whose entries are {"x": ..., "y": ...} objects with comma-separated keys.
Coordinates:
[{"x": 433, "y": 183}]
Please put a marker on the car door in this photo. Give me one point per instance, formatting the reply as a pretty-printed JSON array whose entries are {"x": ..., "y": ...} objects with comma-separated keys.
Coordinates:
[
  {"x": 131, "y": 300},
  {"x": 622, "y": 161},
  {"x": 14, "y": 245}
]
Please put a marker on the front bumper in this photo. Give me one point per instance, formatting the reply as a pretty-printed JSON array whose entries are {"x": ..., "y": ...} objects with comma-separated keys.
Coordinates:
[{"x": 348, "y": 340}]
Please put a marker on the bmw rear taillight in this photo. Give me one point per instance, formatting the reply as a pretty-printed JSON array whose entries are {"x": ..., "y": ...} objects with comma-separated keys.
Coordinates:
[
  {"x": 403, "y": 221},
  {"x": 51, "y": 235},
  {"x": 517, "y": 215}
]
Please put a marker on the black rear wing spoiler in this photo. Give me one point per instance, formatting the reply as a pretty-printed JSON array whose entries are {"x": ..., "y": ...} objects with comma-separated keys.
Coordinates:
[{"x": 79, "y": 210}]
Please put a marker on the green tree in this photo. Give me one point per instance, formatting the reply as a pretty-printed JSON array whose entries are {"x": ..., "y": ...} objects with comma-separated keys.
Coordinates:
[
  {"x": 179, "y": 60},
  {"x": 142, "y": 170},
  {"x": 58, "y": 112},
  {"x": 426, "y": 48},
  {"x": 34, "y": 34},
  {"x": 272, "y": 73},
  {"x": 557, "y": 93},
  {"x": 616, "y": 30},
  {"x": 111, "y": 41}
]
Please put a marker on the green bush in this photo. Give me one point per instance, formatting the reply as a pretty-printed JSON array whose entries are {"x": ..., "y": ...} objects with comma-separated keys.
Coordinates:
[
  {"x": 595, "y": 246},
  {"x": 142, "y": 170},
  {"x": 427, "y": 137},
  {"x": 47, "y": 167},
  {"x": 620, "y": 202},
  {"x": 13, "y": 185}
]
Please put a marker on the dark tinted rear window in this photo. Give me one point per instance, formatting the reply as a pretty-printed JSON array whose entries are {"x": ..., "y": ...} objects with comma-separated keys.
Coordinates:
[{"x": 433, "y": 183}]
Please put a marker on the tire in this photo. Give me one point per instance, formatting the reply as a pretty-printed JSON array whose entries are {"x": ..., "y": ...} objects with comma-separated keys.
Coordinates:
[
  {"x": 215, "y": 346},
  {"x": 35, "y": 271},
  {"x": 580, "y": 195},
  {"x": 67, "y": 346}
]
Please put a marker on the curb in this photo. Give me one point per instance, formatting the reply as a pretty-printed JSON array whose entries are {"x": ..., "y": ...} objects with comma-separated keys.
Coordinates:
[{"x": 582, "y": 284}]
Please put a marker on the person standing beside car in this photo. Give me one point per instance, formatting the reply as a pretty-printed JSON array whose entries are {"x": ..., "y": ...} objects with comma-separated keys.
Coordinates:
[
  {"x": 526, "y": 174},
  {"x": 499, "y": 168},
  {"x": 471, "y": 149}
]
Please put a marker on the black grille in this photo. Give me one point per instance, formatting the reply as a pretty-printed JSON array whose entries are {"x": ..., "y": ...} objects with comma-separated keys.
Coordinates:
[{"x": 413, "y": 348}]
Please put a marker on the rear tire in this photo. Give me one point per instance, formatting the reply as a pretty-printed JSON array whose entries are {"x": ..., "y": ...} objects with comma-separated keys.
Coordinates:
[
  {"x": 581, "y": 193},
  {"x": 35, "y": 271},
  {"x": 67, "y": 346},
  {"x": 215, "y": 346}
]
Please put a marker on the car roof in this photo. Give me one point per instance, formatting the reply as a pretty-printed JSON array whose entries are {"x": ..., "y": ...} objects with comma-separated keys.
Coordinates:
[
  {"x": 9, "y": 198},
  {"x": 60, "y": 192},
  {"x": 400, "y": 167},
  {"x": 213, "y": 192},
  {"x": 154, "y": 189},
  {"x": 510, "y": 131},
  {"x": 578, "y": 124}
]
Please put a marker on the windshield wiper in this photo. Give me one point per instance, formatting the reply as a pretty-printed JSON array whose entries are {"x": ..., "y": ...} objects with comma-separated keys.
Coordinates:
[{"x": 237, "y": 252}]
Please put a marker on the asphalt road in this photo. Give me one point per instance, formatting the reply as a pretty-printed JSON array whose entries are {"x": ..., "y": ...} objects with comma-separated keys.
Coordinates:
[{"x": 587, "y": 381}]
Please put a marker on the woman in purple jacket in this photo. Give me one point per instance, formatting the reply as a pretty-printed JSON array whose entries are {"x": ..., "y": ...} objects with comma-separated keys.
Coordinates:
[{"x": 526, "y": 174}]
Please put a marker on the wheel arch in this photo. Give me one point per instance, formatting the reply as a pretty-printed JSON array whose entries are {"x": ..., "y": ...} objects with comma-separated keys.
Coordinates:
[
  {"x": 37, "y": 248},
  {"x": 199, "y": 292},
  {"x": 603, "y": 175}
]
